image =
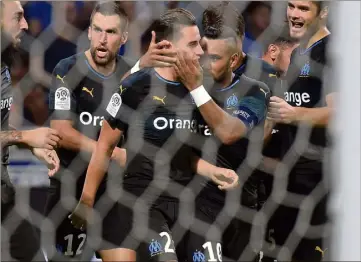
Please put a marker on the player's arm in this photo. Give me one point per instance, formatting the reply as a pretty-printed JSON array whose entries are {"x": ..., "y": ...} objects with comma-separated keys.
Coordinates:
[
  {"x": 282, "y": 112},
  {"x": 36, "y": 138},
  {"x": 110, "y": 134},
  {"x": 99, "y": 162},
  {"x": 225, "y": 178},
  {"x": 228, "y": 128},
  {"x": 158, "y": 55}
]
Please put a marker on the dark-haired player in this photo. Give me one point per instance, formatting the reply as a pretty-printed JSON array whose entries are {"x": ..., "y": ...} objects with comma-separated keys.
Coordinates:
[
  {"x": 19, "y": 239},
  {"x": 306, "y": 108},
  {"x": 156, "y": 112},
  {"x": 230, "y": 110},
  {"x": 81, "y": 88}
]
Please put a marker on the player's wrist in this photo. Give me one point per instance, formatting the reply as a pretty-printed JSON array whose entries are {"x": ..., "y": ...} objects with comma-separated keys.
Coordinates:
[
  {"x": 297, "y": 114},
  {"x": 24, "y": 138},
  {"x": 87, "y": 198},
  {"x": 200, "y": 96}
]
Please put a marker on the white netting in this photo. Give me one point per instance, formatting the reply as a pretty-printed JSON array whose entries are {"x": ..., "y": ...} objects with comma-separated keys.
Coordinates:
[{"x": 64, "y": 33}]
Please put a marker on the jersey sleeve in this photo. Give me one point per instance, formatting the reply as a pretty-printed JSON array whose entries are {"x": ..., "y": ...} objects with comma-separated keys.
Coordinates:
[
  {"x": 123, "y": 103},
  {"x": 253, "y": 106},
  {"x": 62, "y": 100}
]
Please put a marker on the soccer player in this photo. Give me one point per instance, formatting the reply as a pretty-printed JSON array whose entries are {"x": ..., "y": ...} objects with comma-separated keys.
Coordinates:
[
  {"x": 277, "y": 50},
  {"x": 19, "y": 239},
  {"x": 234, "y": 106},
  {"x": 81, "y": 87},
  {"x": 156, "y": 111},
  {"x": 306, "y": 108}
]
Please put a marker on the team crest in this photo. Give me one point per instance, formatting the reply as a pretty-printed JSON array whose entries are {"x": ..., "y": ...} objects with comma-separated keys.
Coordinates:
[
  {"x": 155, "y": 248},
  {"x": 305, "y": 71},
  {"x": 232, "y": 101},
  {"x": 198, "y": 256}
]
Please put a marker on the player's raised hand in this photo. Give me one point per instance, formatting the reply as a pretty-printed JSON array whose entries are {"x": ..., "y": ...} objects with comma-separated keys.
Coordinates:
[
  {"x": 226, "y": 179},
  {"x": 41, "y": 137},
  {"x": 280, "y": 111},
  {"x": 50, "y": 158},
  {"x": 189, "y": 69},
  {"x": 81, "y": 216},
  {"x": 160, "y": 54}
]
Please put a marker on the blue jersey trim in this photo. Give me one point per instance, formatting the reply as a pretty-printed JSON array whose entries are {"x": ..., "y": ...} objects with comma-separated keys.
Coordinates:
[
  {"x": 310, "y": 48},
  {"x": 165, "y": 80},
  {"x": 229, "y": 87},
  {"x": 97, "y": 73}
]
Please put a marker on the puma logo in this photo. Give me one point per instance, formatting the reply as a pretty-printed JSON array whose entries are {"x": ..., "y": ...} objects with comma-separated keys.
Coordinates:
[
  {"x": 121, "y": 89},
  {"x": 60, "y": 78},
  {"x": 265, "y": 93},
  {"x": 157, "y": 98},
  {"x": 320, "y": 250},
  {"x": 90, "y": 92}
]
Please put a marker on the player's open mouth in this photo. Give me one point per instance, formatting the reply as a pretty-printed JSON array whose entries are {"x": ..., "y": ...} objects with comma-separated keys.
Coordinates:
[
  {"x": 297, "y": 25},
  {"x": 102, "y": 52}
]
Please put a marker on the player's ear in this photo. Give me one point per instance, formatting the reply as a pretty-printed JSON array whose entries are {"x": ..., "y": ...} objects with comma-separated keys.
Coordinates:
[
  {"x": 234, "y": 60},
  {"x": 324, "y": 12},
  {"x": 273, "y": 50},
  {"x": 124, "y": 37}
]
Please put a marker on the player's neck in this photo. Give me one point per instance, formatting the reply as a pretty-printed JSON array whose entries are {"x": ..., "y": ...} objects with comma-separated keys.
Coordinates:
[
  {"x": 104, "y": 70},
  {"x": 166, "y": 73},
  {"x": 321, "y": 33}
]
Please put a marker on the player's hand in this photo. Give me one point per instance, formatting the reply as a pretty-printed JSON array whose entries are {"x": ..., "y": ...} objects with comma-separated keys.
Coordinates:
[
  {"x": 50, "y": 158},
  {"x": 160, "y": 54},
  {"x": 226, "y": 179},
  {"x": 189, "y": 70},
  {"x": 41, "y": 137},
  {"x": 119, "y": 156},
  {"x": 280, "y": 111},
  {"x": 82, "y": 215}
]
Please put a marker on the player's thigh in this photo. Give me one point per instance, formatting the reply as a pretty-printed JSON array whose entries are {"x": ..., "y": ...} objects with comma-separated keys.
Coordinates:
[
  {"x": 236, "y": 241},
  {"x": 203, "y": 243},
  {"x": 62, "y": 240},
  {"x": 118, "y": 242},
  {"x": 158, "y": 245},
  {"x": 314, "y": 245},
  {"x": 197, "y": 247},
  {"x": 19, "y": 239}
]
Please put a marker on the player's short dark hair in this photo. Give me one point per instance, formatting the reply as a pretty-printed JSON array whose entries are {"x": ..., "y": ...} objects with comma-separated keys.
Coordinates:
[
  {"x": 112, "y": 8},
  {"x": 223, "y": 32},
  {"x": 224, "y": 14},
  {"x": 168, "y": 25},
  {"x": 280, "y": 38}
]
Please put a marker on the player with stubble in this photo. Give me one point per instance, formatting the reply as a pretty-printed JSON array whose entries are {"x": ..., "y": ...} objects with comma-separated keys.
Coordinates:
[
  {"x": 81, "y": 87},
  {"x": 156, "y": 111},
  {"x": 306, "y": 109},
  {"x": 19, "y": 239}
]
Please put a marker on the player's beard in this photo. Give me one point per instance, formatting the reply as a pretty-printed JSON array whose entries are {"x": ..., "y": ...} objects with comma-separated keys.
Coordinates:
[{"x": 110, "y": 56}]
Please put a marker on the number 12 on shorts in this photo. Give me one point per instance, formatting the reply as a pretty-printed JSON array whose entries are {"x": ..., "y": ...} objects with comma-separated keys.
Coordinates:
[{"x": 69, "y": 249}]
